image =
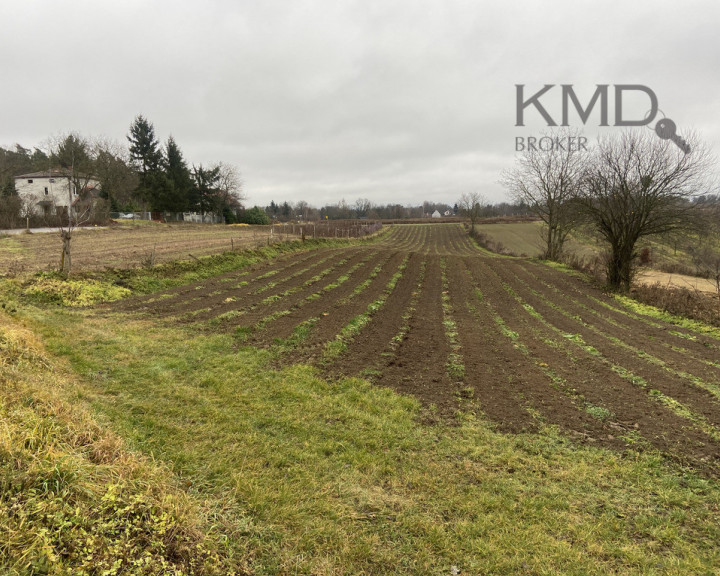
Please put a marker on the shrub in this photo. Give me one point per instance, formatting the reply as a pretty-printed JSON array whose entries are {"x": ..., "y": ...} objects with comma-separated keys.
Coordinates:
[
  {"x": 645, "y": 256},
  {"x": 255, "y": 215},
  {"x": 52, "y": 288},
  {"x": 680, "y": 302}
]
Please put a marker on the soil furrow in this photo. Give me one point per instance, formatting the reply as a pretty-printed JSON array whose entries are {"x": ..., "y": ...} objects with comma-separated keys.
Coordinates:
[
  {"x": 279, "y": 302},
  {"x": 685, "y": 361},
  {"x": 555, "y": 405},
  {"x": 245, "y": 297},
  {"x": 695, "y": 398},
  {"x": 705, "y": 346},
  {"x": 488, "y": 364},
  {"x": 365, "y": 353},
  {"x": 631, "y": 411},
  {"x": 333, "y": 310},
  {"x": 168, "y": 301},
  {"x": 419, "y": 366}
]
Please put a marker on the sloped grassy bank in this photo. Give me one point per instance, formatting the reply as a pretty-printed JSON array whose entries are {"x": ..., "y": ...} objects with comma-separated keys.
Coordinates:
[{"x": 73, "y": 498}]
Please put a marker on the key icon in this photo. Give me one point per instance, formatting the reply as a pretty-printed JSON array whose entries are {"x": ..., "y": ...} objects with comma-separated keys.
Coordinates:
[{"x": 666, "y": 130}]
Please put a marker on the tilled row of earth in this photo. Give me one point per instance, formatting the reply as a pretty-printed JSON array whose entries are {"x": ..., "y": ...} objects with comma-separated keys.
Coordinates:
[{"x": 427, "y": 313}]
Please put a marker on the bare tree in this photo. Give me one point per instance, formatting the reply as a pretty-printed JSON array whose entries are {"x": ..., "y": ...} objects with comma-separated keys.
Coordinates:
[
  {"x": 75, "y": 156},
  {"x": 118, "y": 181},
  {"x": 362, "y": 207},
  {"x": 547, "y": 178},
  {"x": 301, "y": 209},
  {"x": 637, "y": 185},
  {"x": 229, "y": 188},
  {"x": 470, "y": 206}
]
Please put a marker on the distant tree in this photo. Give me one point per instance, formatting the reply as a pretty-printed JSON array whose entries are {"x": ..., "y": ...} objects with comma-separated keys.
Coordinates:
[
  {"x": 301, "y": 210},
  {"x": 636, "y": 186},
  {"x": 229, "y": 196},
  {"x": 118, "y": 181},
  {"x": 470, "y": 205},
  {"x": 10, "y": 204},
  {"x": 204, "y": 192},
  {"x": 21, "y": 160},
  {"x": 177, "y": 189},
  {"x": 255, "y": 215},
  {"x": 362, "y": 207},
  {"x": 343, "y": 210},
  {"x": 146, "y": 157},
  {"x": 286, "y": 211},
  {"x": 548, "y": 181},
  {"x": 272, "y": 210},
  {"x": 8, "y": 188}
]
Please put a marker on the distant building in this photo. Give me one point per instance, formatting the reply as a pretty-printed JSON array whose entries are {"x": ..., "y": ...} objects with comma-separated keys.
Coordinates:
[
  {"x": 436, "y": 214},
  {"x": 51, "y": 192}
]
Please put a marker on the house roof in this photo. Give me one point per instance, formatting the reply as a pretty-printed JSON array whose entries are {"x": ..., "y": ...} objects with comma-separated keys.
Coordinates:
[
  {"x": 57, "y": 172},
  {"x": 53, "y": 173}
]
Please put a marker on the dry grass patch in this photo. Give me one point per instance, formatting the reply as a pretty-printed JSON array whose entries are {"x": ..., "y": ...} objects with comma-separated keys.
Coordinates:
[{"x": 74, "y": 500}]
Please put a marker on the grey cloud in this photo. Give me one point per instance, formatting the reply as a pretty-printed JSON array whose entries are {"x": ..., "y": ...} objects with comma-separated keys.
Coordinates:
[{"x": 394, "y": 101}]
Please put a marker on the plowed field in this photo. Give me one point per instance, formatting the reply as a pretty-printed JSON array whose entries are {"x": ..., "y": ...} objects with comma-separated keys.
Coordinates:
[{"x": 427, "y": 313}]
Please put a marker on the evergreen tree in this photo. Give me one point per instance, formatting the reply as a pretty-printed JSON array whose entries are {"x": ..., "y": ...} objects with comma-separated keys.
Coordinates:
[
  {"x": 179, "y": 184},
  {"x": 146, "y": 157},
  {"x": 8, "y": 188},
  {"x": 273, "y": 209},
  {"x": 76, "y": 156},
  {"x": 73, "y": 152},
  {"x": 205, "y": 189},
  {"x": 165, "y": 197}
]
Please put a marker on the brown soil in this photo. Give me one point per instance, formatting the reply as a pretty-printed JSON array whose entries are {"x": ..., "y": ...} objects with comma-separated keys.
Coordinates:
[
  {"x": 539, "y": 347},
  {"x": 418, "y": 367},
  {"x": 368, "y": 352},
  {"x": 338, "y": 308},
  {"x": 128, "y": 246}
]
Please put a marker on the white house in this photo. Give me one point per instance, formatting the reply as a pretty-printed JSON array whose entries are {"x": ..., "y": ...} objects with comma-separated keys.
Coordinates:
[
  {"x": 436, "y": 214},
  {"x": 50, "y": 192}
]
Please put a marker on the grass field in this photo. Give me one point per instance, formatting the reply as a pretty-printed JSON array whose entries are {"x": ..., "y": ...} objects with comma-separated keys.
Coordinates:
[
  {"x": 525, "y": 238},
  {"x": 410, "y": 405}
]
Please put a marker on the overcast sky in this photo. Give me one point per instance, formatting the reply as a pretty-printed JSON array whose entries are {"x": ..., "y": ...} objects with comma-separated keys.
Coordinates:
[{"x": 395, "y": 101}]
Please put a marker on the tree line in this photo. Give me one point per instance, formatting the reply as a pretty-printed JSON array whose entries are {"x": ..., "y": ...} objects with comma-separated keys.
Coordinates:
[
  {"x": 143, "y": 175},
  {"x": 363, "y": 208}
]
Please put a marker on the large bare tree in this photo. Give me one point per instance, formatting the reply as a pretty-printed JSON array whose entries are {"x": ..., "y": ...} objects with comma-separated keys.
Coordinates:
[
  {"x": 118, "y": 181},
  {"x": 546, "y": 177},
  {"x": 230, "y": 193},
  {"x": 637, "y": 185}
]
